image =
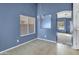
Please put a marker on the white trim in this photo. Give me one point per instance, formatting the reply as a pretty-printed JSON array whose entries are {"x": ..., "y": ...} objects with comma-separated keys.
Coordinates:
[
  {"x": 26, "y": 34},
  {"x": 46, "y": 40},
  {"x": 74, "y": 48},
  {"x": 51, "y": 41},
  {"x": 64, "y": 14},
  {"x": 17, "y": 46},
  {"x": 35, "y": 25}
]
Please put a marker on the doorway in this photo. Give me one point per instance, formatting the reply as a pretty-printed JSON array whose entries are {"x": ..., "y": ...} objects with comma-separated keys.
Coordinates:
[{"x": 64, "y": 29}]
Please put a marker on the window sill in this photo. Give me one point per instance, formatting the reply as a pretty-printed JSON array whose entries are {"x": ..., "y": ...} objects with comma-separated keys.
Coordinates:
[{"x": 26, "y": 34}]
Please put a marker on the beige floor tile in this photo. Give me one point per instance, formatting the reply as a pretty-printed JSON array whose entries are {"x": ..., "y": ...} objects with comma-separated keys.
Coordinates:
[{"x": 41, "y": 47}]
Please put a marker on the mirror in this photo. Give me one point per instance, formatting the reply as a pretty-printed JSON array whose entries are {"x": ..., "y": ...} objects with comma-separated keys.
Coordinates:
[{"x": 45, "y": 21}]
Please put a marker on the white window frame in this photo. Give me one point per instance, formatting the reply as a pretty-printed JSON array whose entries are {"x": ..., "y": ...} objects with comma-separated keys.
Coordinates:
[{"x": 28, "y": 27}]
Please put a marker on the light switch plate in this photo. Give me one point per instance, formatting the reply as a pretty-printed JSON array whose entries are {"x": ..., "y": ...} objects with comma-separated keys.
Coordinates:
[{"x": 17, "y": 40}]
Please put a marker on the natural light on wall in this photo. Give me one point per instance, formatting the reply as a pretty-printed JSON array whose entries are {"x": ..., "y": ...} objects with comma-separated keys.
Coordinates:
[{"x": 27, "y": 25}]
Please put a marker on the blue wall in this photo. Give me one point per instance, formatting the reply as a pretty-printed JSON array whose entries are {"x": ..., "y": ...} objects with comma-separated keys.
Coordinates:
[
  {"x": 9, "y": 23},
  {"x": 47, "y": 9}
]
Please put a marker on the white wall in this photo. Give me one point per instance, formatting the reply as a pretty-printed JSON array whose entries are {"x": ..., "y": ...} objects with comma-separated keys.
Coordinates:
[{"x": 76, "y": 26}]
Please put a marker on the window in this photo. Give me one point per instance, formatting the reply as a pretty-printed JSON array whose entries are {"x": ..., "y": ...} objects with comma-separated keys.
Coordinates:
[
  {"x": 27, "y": 25},
  {"x": 31, "y": 22}
]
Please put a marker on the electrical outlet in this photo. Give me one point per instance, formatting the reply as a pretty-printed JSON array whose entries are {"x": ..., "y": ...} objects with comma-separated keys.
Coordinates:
[{"x": 17, "y": 40}]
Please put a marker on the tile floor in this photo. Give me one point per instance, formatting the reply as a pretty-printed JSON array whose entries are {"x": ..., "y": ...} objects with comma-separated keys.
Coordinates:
[{"x": 41, "y": 47}]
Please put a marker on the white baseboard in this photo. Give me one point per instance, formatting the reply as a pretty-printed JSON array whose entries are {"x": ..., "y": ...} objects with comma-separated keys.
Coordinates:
[
  {"x": 28, "y": 42},
  {"x": 17, "y": 46},
  {"x": 47, "y": 40},
  {"x": 74, "y": 47},
  {"x": 50, "y": 41}
]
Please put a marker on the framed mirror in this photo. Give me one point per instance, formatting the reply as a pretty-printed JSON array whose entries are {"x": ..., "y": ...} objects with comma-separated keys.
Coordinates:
[{"x": 45, "y": 21}]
